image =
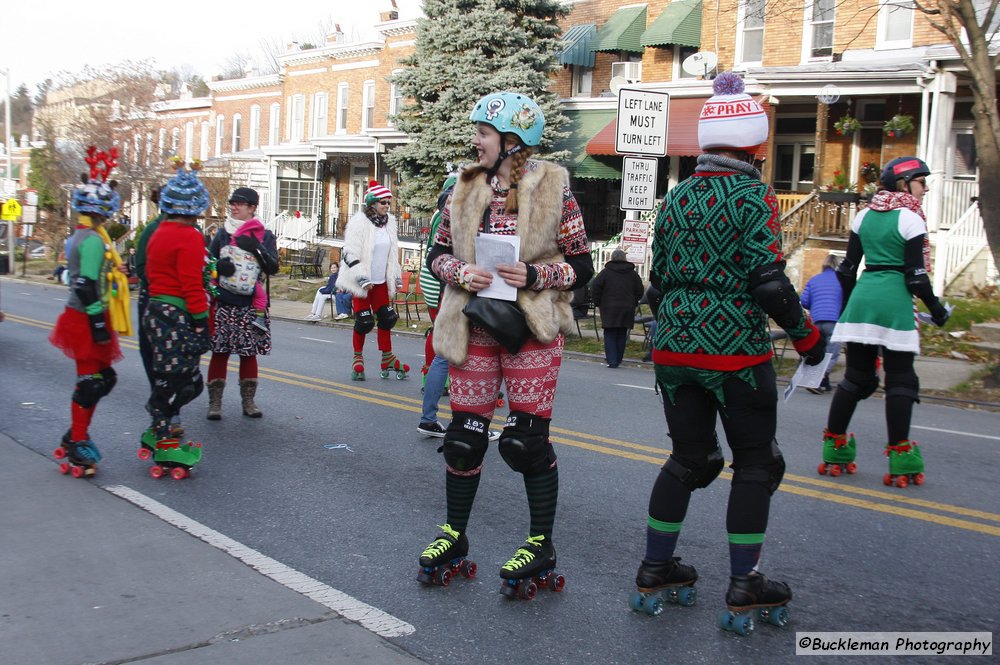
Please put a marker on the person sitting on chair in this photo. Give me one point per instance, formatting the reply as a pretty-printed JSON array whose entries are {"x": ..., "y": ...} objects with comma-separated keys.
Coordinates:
[{"x": 342, "y": 300}]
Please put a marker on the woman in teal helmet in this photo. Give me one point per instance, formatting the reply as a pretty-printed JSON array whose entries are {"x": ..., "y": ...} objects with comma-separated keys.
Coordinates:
[{"x": 507, "y": 194}]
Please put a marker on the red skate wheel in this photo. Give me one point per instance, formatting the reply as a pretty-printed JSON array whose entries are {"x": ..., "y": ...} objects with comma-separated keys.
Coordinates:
[
  {"x": 77, "y": 471},
  {"x": 527, "y": 590},
  {"x": 852, "y": 468},
  {"x": 821, "y": 469},
  {"x": 64, "y": 468},
  {"x": 887, "y": 480},
  {"x": 144, "y": 454},
  {"x": 557, "y": 582},
  {"x": 918, "y": 479},
  {"x": 467, "y": 569},
  {"x": 902, "y": 481},
  {"x": 442, "y": 577},
  {"x": 834, "y": 470},
  {"x": 179, "y": 473},
  {"x": 59, "y": 453},
  {"x": 156, "y": 471}
]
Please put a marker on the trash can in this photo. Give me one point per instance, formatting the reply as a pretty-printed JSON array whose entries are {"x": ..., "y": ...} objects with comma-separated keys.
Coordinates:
[{"x": 4, "y": 264}]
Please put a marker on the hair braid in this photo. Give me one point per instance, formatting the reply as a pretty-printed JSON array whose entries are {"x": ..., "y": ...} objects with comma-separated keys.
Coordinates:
[{"x": 516, "y": 170}]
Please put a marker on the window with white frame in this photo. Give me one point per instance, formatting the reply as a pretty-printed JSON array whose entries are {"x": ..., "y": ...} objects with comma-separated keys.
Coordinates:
[
  {"x": 298, "y": 118},
  {"x": 342, "y": 97},
  {"x": 817, "y": 34},
  {"x": 203, "y": 142},
  {"x": 220, "y": 133},
  {"x": 237, "y": 130},
  {"x": 582, "y": 80},
  {"x": 175, "y": 139},
  {"x": 682, "y": 53},
  {"x": 297, "y": 195},
  {"x": 368, "y": 106},
  {"x": 274, "y": 124},
  {"x": 750, "y": 32},
  {"x": 395, "y": 100},
  {"x": 895, "y": 24},
  {"x": 189, "y": 141},
  {"x": 320, "y": 107},
  {"x": 163, "y": 143},
  {"x": 254, "y": 127}
]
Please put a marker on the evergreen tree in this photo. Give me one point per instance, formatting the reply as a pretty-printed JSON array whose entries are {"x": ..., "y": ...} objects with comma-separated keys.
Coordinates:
[{"x": 466, "y": 49}]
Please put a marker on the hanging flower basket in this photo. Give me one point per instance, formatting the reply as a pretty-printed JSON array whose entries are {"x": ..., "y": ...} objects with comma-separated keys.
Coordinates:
[
  {"x": 898, "y": 125},
  {"x": 847, "y": 125}
]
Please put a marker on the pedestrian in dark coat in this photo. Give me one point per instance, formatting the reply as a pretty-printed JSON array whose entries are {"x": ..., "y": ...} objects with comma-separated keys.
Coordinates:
[{"x": 617, "y": 290}]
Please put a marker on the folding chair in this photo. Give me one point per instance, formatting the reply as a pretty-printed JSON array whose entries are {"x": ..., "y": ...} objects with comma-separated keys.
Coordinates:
[{"x": 403, "y": 295}]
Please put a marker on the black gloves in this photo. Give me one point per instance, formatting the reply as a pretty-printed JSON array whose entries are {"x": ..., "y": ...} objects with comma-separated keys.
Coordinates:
[
  {"x": 939, "y": 314},
  {"x": 814, "y": 356},
  {"x": 248, "y": 243},
  {"x": 225, "y": 267},
  {"x": 99, "y": 328}
]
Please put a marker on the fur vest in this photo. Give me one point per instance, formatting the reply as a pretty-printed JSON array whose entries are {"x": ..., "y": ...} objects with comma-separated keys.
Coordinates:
[
  {"x": 359, "y": 244},
  {"x": 539, "y": 217}
]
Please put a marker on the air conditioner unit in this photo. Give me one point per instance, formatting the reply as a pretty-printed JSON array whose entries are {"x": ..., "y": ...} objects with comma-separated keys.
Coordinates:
[{"x": 630, "y": 71}]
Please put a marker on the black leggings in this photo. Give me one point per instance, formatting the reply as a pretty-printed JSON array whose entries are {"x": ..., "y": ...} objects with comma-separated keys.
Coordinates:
[
  {"x": 861, "y": 362},
  {"x": 749, "y": 419}
]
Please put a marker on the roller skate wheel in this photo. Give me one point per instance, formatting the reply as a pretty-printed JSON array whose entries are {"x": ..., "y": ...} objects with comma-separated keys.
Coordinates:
[
  {"x": 652, "y": 605},
  {"x": 526, "y": 590},
  {"x": 834, "y": 470},
  {"x": 635, "y": 601},
  {"x": 156, "y": 471},
  {"x": 687, "y": 596},
  {"x": 776, "y": 616},
  {"x": 821, "y": 469},
  {"x": 467, "y": 569},
  {"x": 400, "y": 375},
  {"x": 557, "y": 583},
  {"x": 500, "y": 403},
  {"x": 852, "y": 468},
  {"x": 59, "y": 453},
  {"x": 918, "y": 479},
  {"x": 902, "y": 481},
  {"x": 442, "y": 577},
  {"x": 179, "y": 473},
  {"x": 64, "y": 468},
  {"x": 77, "y": 471},
  {"x": 887, "y": 480},
  {"x": 384, "y": 374},
  {"x": 144, "y": 454}
]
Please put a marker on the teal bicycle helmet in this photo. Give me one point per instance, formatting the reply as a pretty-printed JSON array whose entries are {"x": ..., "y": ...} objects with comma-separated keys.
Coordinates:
[{"x": 511, "y": 112}]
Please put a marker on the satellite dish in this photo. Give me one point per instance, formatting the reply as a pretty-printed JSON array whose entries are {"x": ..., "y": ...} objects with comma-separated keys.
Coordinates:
[
  {"x": 829, "y": 94},
  {"x": 700, "y": 63},
  {"x": 617, "y": 83}
]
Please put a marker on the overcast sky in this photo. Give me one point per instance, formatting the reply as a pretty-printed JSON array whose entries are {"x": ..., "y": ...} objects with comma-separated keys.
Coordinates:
[{"x": 43, "y": 37}]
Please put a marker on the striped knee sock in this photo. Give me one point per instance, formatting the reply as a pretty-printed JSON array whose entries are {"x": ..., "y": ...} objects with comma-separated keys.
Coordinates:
[
  {"x": 543, "y": 495},
  {"x": 460, "y": 492},
  {"x": 744, "y": 552},
  {"x": 661, "y": 539}
]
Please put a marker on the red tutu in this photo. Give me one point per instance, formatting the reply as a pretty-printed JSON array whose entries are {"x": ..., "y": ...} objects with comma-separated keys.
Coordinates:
[{"x": 72, "y": 335}]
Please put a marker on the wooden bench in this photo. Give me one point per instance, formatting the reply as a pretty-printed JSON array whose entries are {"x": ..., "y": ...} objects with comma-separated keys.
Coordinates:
[{"x": 307, "y": 262}]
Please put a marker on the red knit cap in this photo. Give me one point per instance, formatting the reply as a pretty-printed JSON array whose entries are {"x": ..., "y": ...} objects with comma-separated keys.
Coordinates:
[{"x": 376, "y": 192}]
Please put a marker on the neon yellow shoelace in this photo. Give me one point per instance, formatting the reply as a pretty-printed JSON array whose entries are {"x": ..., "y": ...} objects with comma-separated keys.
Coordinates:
[
  {"x": 522, "y": 556},
  {"x": 441, "y": 543}
]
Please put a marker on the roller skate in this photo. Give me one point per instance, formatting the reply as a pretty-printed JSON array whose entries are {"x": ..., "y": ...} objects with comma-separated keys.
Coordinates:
[
  {"x": 660, "y": 582},
  {"x": 77, "y": 458},
  {"x": 390, "y": 363},
  {"x": 754, "y": 596},
  {"x": 839, "y": 451},
  {"x": 906, "y": 464},
  {"x": 358, "y": 370},
  {"x": 532, "y": 567},
  {"x": 445, "y": 557},
  {"x": 170, "y": 456}
]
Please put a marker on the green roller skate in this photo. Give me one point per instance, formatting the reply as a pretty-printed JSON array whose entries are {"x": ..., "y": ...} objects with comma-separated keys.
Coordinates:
[
  {"x": 839, "y": 451},
  {"x": 393, "y": 365},
  {"x": 906, "y": 464},
  {"x": 176, "y": 458}
]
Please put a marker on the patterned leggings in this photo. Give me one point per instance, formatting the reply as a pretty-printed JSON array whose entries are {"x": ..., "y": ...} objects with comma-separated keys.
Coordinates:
[{"x": 530, "y": 375}]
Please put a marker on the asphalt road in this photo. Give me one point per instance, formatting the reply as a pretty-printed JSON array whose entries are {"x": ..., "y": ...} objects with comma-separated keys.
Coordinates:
[{"x": 335, "y": 482}]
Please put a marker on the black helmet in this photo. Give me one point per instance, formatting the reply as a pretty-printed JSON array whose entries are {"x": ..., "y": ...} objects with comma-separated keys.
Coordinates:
[
  {"x": 245, "y": 195},
  {"x": 903, "y": 168}
]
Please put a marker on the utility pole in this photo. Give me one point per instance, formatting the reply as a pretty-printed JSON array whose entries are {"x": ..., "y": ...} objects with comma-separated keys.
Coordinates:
[{"x": 6, "y": 121}]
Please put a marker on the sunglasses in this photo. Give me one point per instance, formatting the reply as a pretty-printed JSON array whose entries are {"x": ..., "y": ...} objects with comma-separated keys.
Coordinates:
[{"x": 922, "y": 181}]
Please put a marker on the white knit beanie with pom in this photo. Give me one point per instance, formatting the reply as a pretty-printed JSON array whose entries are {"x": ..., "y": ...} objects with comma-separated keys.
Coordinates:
[{"x": 731, "y": 119}]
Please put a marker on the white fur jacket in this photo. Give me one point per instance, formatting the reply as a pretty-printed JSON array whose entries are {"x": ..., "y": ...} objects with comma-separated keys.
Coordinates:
[
  {"x": 356, "y": 257},
  {"x": 540, "y": 207}
]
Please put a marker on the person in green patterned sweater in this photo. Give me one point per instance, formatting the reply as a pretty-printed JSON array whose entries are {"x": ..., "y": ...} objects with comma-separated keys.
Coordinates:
[{"x": 717, "y": 260}]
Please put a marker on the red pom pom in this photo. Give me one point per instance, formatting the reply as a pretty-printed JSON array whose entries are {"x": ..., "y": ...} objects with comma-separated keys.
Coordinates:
[{"x": 372, "y": 183}]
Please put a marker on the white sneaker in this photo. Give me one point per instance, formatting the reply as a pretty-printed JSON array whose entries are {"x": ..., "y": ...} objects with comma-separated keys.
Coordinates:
[
  {"x": 340, "y": 317},
  {"x": 312, "y": 317}
]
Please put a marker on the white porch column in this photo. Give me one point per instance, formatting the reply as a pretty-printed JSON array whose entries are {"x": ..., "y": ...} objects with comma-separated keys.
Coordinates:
[{"x": 942, "y": 113}]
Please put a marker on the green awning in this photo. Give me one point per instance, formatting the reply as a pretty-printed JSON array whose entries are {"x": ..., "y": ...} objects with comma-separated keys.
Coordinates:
[
  {"x": 582, "y": 127},
  {"x": 680, "y": 23},
  {"x": 622, "y": 31},
  {"x": 576, "y": 46}
]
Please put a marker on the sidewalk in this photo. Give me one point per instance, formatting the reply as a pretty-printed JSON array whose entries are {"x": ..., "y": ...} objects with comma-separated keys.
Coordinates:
[{"x": 91, "y": 578}]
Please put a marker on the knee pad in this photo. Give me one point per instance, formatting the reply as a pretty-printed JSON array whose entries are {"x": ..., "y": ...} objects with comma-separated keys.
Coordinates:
[
  {"x": 187, "y": 391},
  {"x": 89, "y": 391},
  {"x": 697, "y": 476},
  {"x": 902, "y": 384},
  {"x": 110, "y": 378},
  {"x": 466, "y": 441},
  {"x": 364, "y": 322},
  {"x": 764, "y": 466},
  {"x": 524, "y": 443},
  {"x": 859, "y": 384},
  {"x": 387, "y": 317}
]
